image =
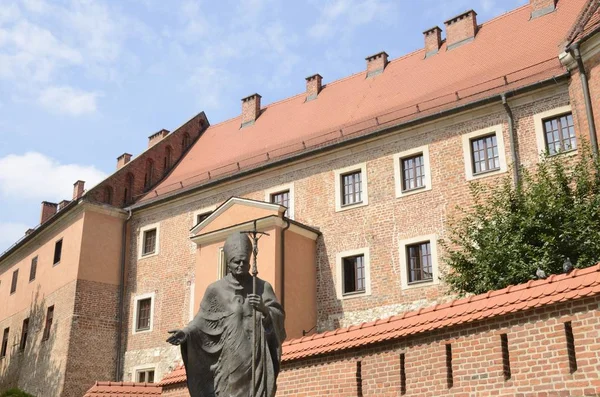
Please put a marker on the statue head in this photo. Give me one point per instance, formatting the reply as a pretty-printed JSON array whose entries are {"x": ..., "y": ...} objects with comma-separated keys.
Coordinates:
[{"x": 238, "y": 250}]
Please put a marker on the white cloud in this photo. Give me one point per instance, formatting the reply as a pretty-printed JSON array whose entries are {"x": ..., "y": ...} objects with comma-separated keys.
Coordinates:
[
  {"x": 36, "y": 176},
  {"x": 10, "y": 232},
  {"x": 68, "y": 100}
]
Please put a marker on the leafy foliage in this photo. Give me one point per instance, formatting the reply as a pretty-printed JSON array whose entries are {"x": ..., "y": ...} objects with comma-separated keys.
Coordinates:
[
  {"x": 511, "y": 231},
  {"x": 15, "y": 393}
]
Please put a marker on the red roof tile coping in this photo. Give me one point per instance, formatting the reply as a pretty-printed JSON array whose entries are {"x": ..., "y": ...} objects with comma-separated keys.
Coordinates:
[
  {"x": 124, "y": 389},
  {"x": 556, "y": 288},
  {"x": 511, "y": 51},
  {"x": 176, "y": 376}
]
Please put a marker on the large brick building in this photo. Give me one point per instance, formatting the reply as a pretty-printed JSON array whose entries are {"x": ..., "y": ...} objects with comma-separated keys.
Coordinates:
[{"x": 354, "y": 181}]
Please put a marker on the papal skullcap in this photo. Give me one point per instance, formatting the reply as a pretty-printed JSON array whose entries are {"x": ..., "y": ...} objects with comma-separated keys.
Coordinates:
[{"x": 236, "y": 244}]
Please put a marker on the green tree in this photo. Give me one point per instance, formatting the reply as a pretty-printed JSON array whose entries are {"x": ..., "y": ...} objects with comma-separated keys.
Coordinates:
[{"x": 511, "y": 231}]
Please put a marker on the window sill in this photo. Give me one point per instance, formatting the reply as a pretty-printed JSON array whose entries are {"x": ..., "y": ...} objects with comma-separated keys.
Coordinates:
[
  {"x": 56, "y": 264},
  {"x": 351, "y": 206},
  {"x": 31, "y": 281},
  {"x": 485, "y": 174},
  {"x": 142, "y": 331},
  {"x": 570, "y": 152},
  {"x": 410, "y": 192},
  {"x": 353, "y": 295},
  {"x": 148, "y": 255},
  {"x": 419, "y": 284}
]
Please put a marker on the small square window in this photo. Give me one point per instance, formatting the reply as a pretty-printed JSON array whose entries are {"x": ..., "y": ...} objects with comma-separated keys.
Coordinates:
[
  {"x": 281, "y": 198},
  {"x": 4, "y": 343},
  {"x": 48, "y": 325},
  {"x": 419, "y": 262},
  {"x": 413, "y": 172},
  {"x": 149, "y": 242},
  {"x": 559, "y": 133},
  {"x": 351, "y": 188},
  {"x": 201, "y": 217},
  {"x": 145, "y": 375},
  {"x": 485, "y": 155},
  {"x": 13, "y": 284},
  {"x": 144, "y": 307},
  {"x": 57, "y": 252},
  {"x": 33, "y": 269},
  {"x": 353, "y": 274},
  {"x": 24, "y": 332}
]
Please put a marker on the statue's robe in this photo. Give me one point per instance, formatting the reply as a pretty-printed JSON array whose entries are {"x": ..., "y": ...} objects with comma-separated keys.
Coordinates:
[{"x": 218, "y": 351}]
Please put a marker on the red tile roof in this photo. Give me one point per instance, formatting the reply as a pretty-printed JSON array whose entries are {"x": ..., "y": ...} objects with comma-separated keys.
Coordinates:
[
  {"x": 533, "y": 294},
  {"x": 587, "y": 23},
  {"x": 174, "y": 377},
  {"x": 509, "y": 52},
  {"x": 123, "y": 389}
]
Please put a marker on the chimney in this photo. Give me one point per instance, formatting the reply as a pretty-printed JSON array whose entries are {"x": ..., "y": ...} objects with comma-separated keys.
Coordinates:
[
  {"x": 48, "y": 210},
  {"x": 157, "y": 137},
  {"x": 541, "y": 7},
  {"x": 123, "y": 159},
  {"x": 78, "y": 189},
  {"x": 433, "y": 40},
  {"x": 250, "y": 109},
  {"x": 461, "y": 29},
  {"x": 376, "y": 63},
  {"x": 313, "y": 86},
  {"x": 62, "y": 205}
]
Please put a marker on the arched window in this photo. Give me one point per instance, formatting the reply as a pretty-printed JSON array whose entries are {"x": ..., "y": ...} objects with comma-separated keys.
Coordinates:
[
  {"x": 108, "y": 195},
  {"x": 128, "y": 192},
  {"x": 167, "y": 162},
  {"x": 185, "y": 142},
  {"x": 149, "y": 176}
]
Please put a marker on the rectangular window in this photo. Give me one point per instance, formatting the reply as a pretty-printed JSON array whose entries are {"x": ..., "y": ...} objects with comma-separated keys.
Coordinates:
[
  {"x": 559, "y": 133},
  {"x": 419, "y": 262},
  {"x": 281, "y": 198},
  {"x": 143, "y": 314},
  {"x": 24, "y": 331},
  {"x": 149, "y": 242},
  {"x": 505, "y": 357},
  {"x": 484, "y": 152},
  {"x": 13, "y": 284},
  {"x": 413, "y": 172},
  {"x": 145, "y": 375},
  {"x": 48, "y": 325},
  {"x": 570, "y": 347},
  {"x": 4, "y": 343},
  {"x": 351, "y": 188},
  {"x": 201, "y": 217},
  {"x": 33, "y": 269},
  {"x": 353, "y": 274},
  {"x": 57, "y": 251}
]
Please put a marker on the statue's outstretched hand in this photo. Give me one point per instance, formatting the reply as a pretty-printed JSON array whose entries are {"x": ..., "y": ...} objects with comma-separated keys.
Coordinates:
[{"x": 177, "y": 337}]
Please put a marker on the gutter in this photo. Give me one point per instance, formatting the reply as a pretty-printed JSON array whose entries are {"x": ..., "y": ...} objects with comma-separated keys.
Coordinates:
[
  {"x": 383, "y": 131},
  {"x": 118, "y": 374},
  {"x": 513, "y": 141},
  {"x": 589, "y": 111}
]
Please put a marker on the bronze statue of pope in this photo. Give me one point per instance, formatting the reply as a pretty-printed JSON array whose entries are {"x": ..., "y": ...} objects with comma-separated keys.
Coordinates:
[{"x": 217, "y": 344}]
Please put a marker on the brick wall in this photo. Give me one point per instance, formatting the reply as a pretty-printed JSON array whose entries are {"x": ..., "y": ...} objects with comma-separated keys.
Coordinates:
[
  {"x": 40, "y": 368},
  {"x": 92, "y": 349},
  {"x": 539, "y": 362},
  {"x": 380, "y": 225}
]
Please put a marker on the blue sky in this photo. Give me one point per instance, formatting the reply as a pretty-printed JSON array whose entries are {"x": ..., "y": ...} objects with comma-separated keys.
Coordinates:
[{"x": 81, "y": 82}]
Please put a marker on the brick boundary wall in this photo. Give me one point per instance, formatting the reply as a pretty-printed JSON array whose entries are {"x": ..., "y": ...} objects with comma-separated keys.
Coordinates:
[{"x": 538, "y": 355}]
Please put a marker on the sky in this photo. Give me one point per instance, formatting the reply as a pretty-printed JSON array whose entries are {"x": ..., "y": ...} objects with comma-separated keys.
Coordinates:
[{"x": 82, "y": 82}]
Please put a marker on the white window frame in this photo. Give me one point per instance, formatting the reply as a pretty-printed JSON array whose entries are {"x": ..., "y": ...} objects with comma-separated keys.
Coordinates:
[
  {"x": 221, "y": 265},
  {"x": 468, "y": 154},
  {"x": 432, "y": 238},
  {"x": 398, "y": 174},
  {"x": 136, "y": 299},
  {"x": 280, "y": 189},
  {"x": 145, "y": 367},
  {"x": 141, "y": 236},
  {"x": 362, "y": 167},
  {"x": 339, "y": 263},
  {"x": 540, "y": 135},
  {"x": 192, "y": 300},
  {"x": 204, "y": 210}
]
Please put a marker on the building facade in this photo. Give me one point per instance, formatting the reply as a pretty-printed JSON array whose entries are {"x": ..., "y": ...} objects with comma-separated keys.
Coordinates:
[{"x": 354, "y": 181}]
